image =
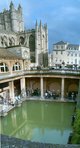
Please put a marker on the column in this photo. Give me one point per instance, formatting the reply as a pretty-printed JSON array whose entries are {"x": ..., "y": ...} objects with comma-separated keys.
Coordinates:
[
  {"x": 62, "y": 89},
  {"x": 22, "y": 81},
  {"x": 11, "y": 89},
  {"x": 22, "y": 85},
  {"x": 42, "y": 93}
]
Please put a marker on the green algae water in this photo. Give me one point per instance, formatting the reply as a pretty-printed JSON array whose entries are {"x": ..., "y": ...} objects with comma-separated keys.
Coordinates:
[{"x": 46, "y": 122}]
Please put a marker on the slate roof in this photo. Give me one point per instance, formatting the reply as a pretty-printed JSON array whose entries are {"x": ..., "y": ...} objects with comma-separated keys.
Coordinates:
[
  {"x": 60, "y": 43},
  {"x": 73, "y": 46},
  {"x": 6, "y": 54}
]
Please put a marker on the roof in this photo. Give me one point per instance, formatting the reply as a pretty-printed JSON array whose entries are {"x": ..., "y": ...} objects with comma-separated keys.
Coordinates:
[
  {"x": 5, "y": 53},
  {"x": 60, "y": 43},
  {"x": 73, "y": 46}
]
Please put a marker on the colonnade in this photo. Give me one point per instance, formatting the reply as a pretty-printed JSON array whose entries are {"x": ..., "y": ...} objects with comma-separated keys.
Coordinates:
[{"x": 23, "y": 87}]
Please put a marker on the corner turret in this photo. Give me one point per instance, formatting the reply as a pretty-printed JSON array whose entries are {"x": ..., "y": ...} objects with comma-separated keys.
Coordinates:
[
  {"x": 36, "y": 26},
  {"x": 20, "y": 8},
  {"x": 40, "y": 25},
  {"x": 11, "y": 5}
]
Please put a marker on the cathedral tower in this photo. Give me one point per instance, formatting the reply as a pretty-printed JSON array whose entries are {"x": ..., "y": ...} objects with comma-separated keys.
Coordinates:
[
  {"x": 17, "y": 23},
  {"x": 41, "y": 44}
]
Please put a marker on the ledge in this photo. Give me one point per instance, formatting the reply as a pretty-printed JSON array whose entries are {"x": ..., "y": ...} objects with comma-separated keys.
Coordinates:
[{"x": 11, "y": 142}]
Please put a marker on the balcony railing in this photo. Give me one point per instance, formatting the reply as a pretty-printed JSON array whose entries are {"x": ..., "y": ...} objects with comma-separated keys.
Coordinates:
[{"x": 45, "y": 71}]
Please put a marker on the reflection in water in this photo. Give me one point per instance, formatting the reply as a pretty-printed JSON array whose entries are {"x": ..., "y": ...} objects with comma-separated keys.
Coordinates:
[{"x": 39, "y": 121}]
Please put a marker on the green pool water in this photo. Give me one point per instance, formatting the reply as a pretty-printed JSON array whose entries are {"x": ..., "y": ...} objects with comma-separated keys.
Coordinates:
[{"x": 46, "y": 122}]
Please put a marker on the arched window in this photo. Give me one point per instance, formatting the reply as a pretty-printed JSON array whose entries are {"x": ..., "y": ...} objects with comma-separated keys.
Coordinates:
[
  {"x": 2, "y": 41},
  {"x": 21, "y": 40},
  {"x": 32, "y": 43},
  {"x": 5, "y": 41},
  {"x": 32, "y": 48},
  {"x": 16, "y": 66},
  {"x": 13, "y": 41},
  {"x": 10, "y": 42},
  {"x": 3, "y": 67}
]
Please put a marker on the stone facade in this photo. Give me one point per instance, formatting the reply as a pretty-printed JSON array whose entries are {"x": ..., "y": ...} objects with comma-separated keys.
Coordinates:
[
  {"x": 12, "y": 34},
  {"x": 65, "y": 54}
]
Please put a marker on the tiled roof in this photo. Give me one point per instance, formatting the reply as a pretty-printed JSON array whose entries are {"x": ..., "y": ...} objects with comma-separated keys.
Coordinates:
[{"x": 5, "y": 53}]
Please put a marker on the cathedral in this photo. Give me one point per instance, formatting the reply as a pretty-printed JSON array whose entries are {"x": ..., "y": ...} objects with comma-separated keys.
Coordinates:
[{"x": 28, "y": 47}]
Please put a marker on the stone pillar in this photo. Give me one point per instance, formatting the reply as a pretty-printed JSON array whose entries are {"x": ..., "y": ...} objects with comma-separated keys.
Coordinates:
[
  {"x": 41, "y": 82},
  {"x": 22, "y": 84},
  {"x": 11, "y": 89},
  {"x": 62, "y": 89}
]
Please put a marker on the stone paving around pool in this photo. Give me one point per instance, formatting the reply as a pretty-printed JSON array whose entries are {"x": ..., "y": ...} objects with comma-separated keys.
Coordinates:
[{"x": 11, "y": 142}]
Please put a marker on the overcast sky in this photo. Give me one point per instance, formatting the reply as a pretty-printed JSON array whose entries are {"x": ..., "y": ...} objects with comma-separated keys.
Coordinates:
[{"x": 61, "y": 16}]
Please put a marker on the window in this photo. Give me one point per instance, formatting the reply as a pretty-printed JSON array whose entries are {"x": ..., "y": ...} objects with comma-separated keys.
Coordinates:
[
  {"x": 75, "y": 61},
  {"x": 13, "y": 41},
  {"x": 68, "y": 53},
  {"x": 10, "y": 42},
  {"x": 61, "y": 52},
  {"x": 3, "y": 67},
  {"x": 5, "y": 41},
  {"x": 21, "y": 40},
  {"x": 16, "y": 66},
  {"x": 61, "y": 47},
  {"x": 75, "y": 54}
]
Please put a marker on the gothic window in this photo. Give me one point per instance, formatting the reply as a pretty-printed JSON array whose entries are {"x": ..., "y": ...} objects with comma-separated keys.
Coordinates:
[
  {"x": 16, "y": 66},
  {"x": 32, "y": 43},
  {"x": 5, "y": 41},
  {"x": 3, "y": 67},
  {"x": 32, "y": 48},
  {"x": 2, "y": 41},
  {"x": 13, "y": 41},
  {"x": 21, "y": 40},
  {"x": 10, "y": 42}
]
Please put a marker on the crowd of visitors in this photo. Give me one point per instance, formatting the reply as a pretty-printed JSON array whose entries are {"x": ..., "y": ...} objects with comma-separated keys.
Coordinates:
[{"x": 71, "y": 95}]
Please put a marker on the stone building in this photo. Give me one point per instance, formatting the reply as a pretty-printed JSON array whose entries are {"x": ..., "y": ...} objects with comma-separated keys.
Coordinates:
[
  {"x": 32, "y": 44},
  {"x": 20, "y": 49},
  {"x": 65, "y": 54}
]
